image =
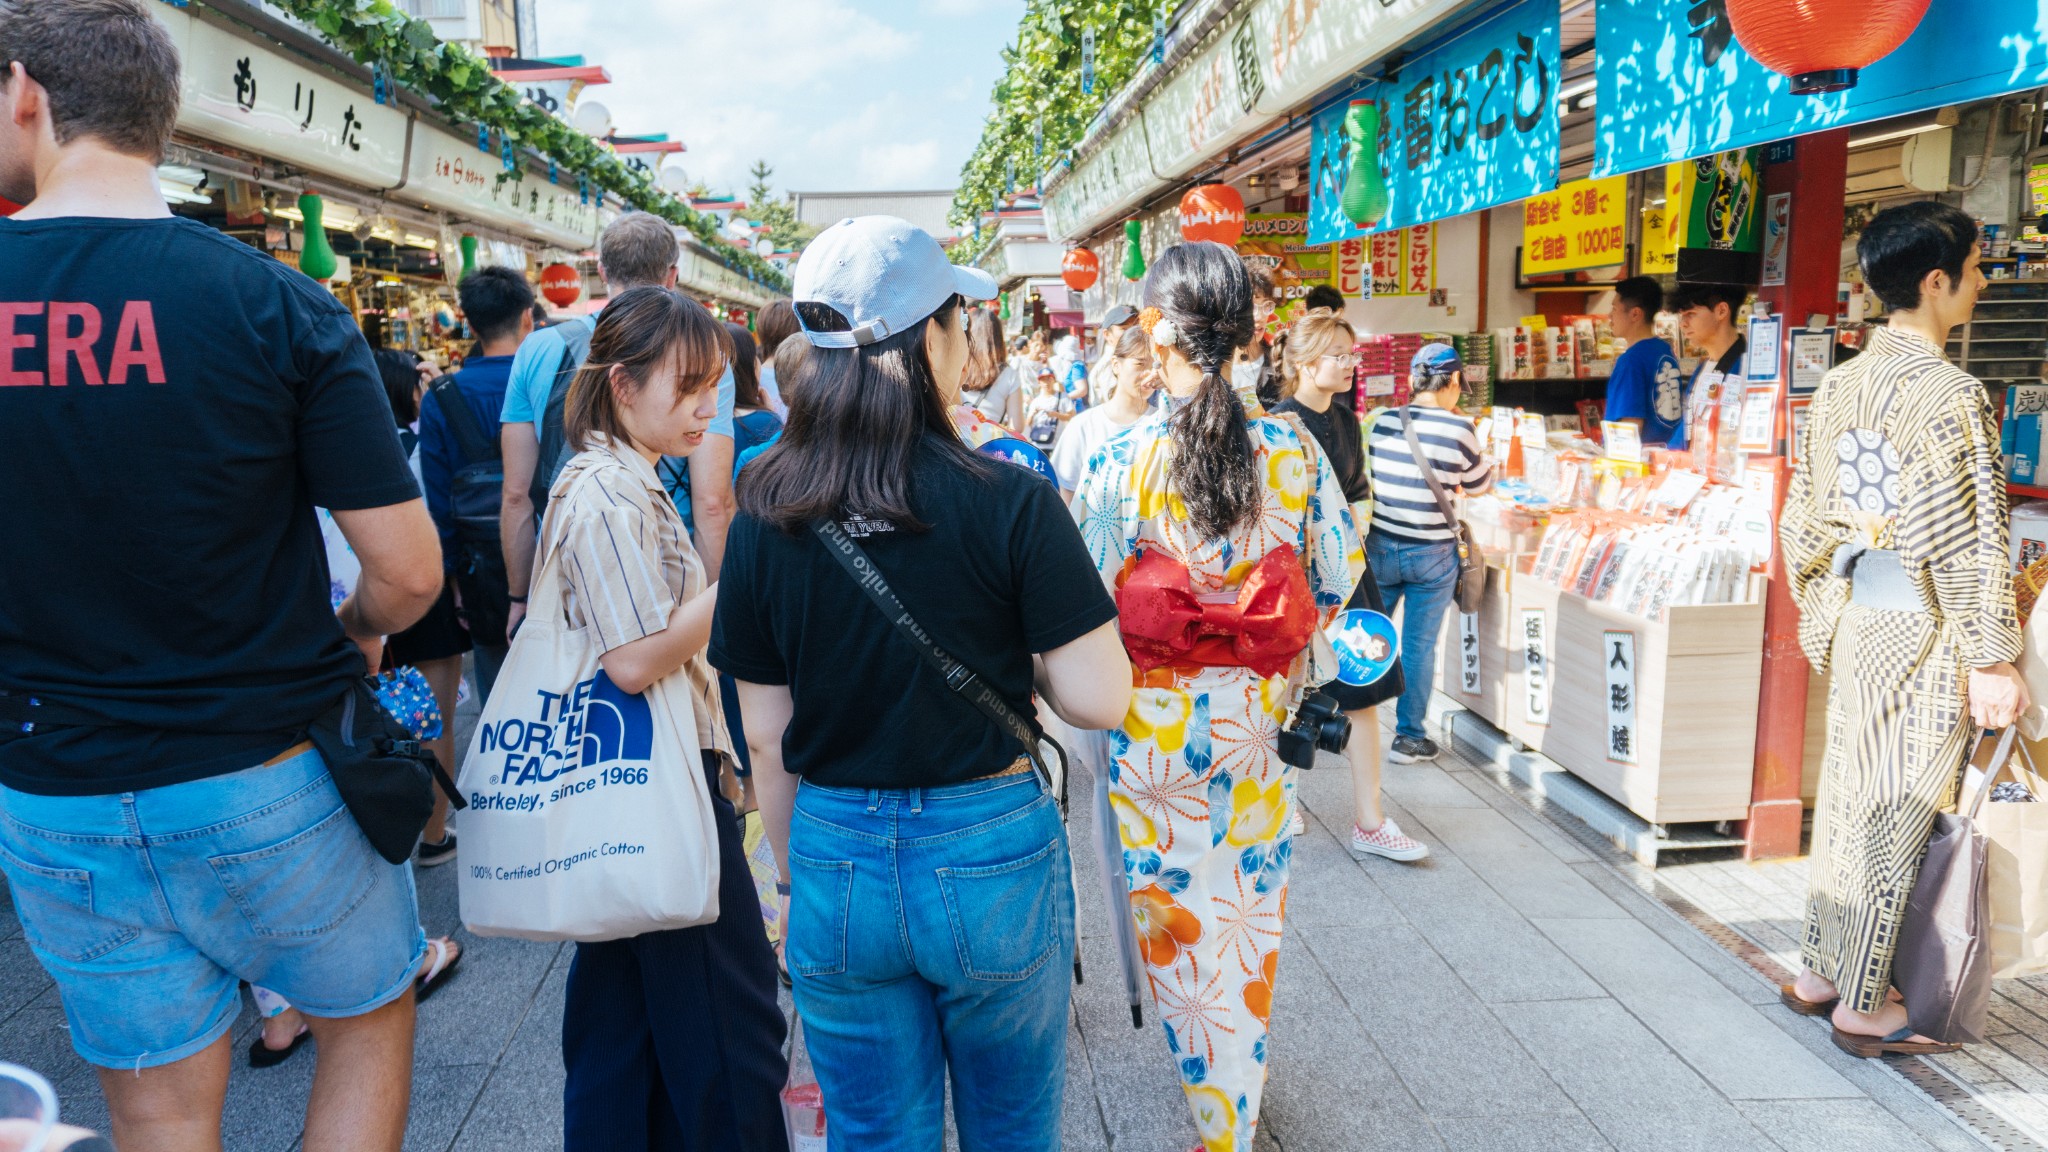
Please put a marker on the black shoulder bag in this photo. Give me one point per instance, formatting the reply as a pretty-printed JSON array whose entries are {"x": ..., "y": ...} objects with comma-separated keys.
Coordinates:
[{"x": 1047, "y": 757}]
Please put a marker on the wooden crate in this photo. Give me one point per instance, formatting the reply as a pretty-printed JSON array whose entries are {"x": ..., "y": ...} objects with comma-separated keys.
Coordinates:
[{"x": 1697, "y": 676}]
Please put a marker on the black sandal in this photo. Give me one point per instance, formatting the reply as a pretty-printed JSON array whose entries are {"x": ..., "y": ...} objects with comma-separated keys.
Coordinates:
[
  {"x": 1800, "y": 1004},
  {"x": 1896, "y": 1044},
  {"x": 262, "y": 1055}
]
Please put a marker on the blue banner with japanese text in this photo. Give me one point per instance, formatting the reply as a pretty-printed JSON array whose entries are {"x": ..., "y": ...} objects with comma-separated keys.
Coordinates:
[
  {"x": 1675, "y": 84},
  {"x": 1470, "y": 123}
]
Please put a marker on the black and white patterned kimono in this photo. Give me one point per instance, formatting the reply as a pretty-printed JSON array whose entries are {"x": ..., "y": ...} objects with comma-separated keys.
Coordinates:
[{"x": 1901, "y": 453}]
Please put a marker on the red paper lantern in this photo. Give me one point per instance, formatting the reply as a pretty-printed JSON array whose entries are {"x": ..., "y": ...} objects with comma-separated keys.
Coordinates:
[
  {"x": 1079, "y": 268},
  {"x": 561, "y": 284},
  {"x": 1821, "y": 43},
  {"x": 1212, "y": 212}
]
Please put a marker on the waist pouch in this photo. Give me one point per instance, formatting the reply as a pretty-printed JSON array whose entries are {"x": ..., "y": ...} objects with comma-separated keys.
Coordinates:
[{"x": 385, "y": 777}]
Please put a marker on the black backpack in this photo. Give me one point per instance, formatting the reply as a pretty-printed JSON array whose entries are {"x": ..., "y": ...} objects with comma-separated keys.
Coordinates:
[
  {"x": 554, "y": 443},
  {"x": 477, "y": 496}
]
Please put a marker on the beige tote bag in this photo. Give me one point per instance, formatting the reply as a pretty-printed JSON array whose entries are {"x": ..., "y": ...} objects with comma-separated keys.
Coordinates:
[{"x": 2016, "y": 870}]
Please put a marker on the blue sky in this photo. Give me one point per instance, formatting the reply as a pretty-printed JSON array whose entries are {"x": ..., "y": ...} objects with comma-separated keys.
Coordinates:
[{"x": 836, "y": 94}]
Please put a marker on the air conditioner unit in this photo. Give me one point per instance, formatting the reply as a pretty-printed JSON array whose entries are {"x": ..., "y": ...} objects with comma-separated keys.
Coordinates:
[{"x": 1903, "y": 166}]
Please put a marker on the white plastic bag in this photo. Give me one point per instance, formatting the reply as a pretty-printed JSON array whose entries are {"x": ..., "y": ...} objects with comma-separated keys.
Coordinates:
[{"x": 588, "y": 814}]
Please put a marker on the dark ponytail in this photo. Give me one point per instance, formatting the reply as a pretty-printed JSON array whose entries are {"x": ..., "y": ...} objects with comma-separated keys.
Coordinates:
[{"x": 1203, "y": 290}]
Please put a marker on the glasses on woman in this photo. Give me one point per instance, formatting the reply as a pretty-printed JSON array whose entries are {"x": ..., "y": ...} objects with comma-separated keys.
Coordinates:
[
  {"x": 28, "y": 1107},
  {"x": 1344, "y": 359}
]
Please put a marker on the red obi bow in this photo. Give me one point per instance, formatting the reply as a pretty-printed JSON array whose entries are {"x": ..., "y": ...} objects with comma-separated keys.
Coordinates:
[{"x": 1164, "y": 622}]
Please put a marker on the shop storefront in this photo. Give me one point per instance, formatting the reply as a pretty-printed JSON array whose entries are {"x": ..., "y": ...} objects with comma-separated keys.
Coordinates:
[
  {"x": 1636, "y": 629},
  {"x": 281, "y": 138}
]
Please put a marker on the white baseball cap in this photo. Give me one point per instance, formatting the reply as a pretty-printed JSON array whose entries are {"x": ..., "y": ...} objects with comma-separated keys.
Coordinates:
[{"x": 884, "y": 275}]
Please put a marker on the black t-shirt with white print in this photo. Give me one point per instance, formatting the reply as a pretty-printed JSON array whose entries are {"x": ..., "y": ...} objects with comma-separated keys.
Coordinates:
[
  {"x": 1001, "y": 574},
  {"x": 173, "y": 405}
]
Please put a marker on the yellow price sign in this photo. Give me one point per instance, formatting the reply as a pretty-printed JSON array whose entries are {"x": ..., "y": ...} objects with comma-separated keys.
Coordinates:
[{"x": 1583, "y": 224}]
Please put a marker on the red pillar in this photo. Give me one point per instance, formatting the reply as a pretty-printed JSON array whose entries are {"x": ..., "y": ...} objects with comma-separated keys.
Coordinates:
[{"x": 1815, "y": 176}]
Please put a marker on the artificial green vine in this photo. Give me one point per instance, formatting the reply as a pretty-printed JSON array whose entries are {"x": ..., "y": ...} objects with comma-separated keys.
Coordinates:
[
  {"x": 1041, "y": 83},
  {"x": 375, "y": 32}
]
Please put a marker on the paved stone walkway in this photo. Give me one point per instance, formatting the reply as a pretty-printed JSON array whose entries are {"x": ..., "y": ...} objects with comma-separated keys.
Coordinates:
[{"x": 1517, "y": 991}]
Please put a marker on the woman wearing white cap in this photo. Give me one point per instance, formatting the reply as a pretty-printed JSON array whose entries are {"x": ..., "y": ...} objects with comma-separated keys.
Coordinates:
[
  {"x": 930, "y": 928},
  {"x": 1225, "y": 535}
]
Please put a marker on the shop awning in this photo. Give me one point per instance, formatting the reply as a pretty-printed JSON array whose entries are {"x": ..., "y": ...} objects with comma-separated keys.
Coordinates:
[
  {"x": 1674, "y": 84},
  {"x": 1250, "y": 64}
]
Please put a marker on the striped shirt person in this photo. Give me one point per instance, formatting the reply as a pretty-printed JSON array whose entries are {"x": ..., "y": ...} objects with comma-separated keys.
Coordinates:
[{"x": 1405, "y": 507}]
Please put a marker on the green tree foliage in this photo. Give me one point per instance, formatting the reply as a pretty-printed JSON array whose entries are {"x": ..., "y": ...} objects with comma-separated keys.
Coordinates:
[
  {"x": 777, "y": 212},
  {"x": 462, "y": 88},
  {"x": 1042, "y": 81}
]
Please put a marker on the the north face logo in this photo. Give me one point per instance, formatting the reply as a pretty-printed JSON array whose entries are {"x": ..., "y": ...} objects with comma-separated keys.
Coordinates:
[{"x": 616, "y": 726}]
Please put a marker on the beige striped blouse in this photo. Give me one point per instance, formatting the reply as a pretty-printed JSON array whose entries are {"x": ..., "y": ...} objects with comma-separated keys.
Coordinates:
[{"x": 628, "y": 562}]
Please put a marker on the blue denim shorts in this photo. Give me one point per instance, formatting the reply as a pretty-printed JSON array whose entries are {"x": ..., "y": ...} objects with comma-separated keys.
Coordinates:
[{"x": 147, "y": 908}]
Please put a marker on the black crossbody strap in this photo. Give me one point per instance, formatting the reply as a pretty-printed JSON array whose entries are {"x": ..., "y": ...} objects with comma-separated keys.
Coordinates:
[
  {"x": 475, "y": 445},
  {"x": 959, "y": 677}
]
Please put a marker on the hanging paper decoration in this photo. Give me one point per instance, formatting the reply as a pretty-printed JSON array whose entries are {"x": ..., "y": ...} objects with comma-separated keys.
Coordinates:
[
  {"x": 551, "y": 171},
  {"x": 1009, "y": 175},
  {"x": 1038, "y": 139},
  {"x": 583, "y": 190},
  {"x": 383, "y": 86},
  {"x": 1079, "y": 268},
  {"x": 1087, "y": 61},
  {"x": 561, "y": 284},
  {"x": 316, "y": 256},
  {"x": 1364, "y": 201},
  {"x": 511, "y": 155},
  {"x": 1159, "y": 37},
  {"x": 1821, "y": 44},
  {"x": 1212, "y": 212},
  {"x": 483, "y": 138},
  {"x": 1134, "y": 250},
  {"x": 468, "y": 246}
]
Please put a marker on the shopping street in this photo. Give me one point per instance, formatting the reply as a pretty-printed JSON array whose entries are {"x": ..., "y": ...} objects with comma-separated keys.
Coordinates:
[{"x": 1522, "y": 989}]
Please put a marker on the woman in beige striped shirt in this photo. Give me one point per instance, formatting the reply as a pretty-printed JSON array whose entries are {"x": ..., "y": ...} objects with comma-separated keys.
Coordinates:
[{"x": 672, "y": 1040}]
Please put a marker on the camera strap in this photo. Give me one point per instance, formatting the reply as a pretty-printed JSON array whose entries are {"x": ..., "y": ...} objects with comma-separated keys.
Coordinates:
[{"x": 1046, "y": 756}]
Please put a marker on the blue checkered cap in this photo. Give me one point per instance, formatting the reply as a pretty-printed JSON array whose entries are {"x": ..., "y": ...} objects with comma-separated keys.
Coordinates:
[{"x": 1435, "y": 360}]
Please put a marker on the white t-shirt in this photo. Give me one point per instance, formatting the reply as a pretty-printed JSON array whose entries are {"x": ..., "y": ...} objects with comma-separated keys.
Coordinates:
[
  {"x": 994, "y": 401},
  {"x": 1083, "y": 435}
]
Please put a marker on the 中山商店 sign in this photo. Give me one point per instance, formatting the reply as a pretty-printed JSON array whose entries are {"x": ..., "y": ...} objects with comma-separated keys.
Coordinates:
[{"x": 1584, "y": 224}]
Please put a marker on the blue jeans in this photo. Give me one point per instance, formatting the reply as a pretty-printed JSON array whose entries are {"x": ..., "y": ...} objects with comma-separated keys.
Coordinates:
[
  {"x": 1425, "y": 573},
  {"x": 932, "y": 931},
  {"x": 148, "y": 908}
]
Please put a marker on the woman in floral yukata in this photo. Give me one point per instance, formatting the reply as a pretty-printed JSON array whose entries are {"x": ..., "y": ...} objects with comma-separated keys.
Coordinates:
[{"x": 1225, "y": 536}]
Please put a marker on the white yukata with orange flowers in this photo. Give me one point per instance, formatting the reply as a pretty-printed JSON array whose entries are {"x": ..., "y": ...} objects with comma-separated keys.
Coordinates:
[{"x": 1201, "y": 796}]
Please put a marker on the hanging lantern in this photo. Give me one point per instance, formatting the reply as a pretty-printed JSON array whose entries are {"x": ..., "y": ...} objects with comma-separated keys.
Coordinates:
[
  {"x": 1004, "y": 299},
  {"x": 468, "y": 246},
  {"x": 316, "y": 257},
  {"x": 1134, "y": 250},
  {"x": 1821, "y": 44},
  {"x": 561, "y": 284},
  {"x": 1079, "y": 268},
  {"x": 1212, "y": 212},
  {"x": 1364, "y": 201}
]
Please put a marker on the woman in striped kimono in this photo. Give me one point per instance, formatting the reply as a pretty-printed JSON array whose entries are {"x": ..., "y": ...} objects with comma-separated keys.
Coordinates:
[
  {"x": 1895, "y": 539},
  {"x": 1226, "y": 538}
]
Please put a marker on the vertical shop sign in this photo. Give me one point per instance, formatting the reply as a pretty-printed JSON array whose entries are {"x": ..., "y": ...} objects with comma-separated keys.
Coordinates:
[
  {"x": 1674, "y": 83},
  {"x": 1658, "y": 255},
  {"x": 1352, "y": 271},
  {"x": 1777, "y": 238},
  {"x": 1581, "y": 225},
  {"x": 1419, "y": 263},
  {"x": 1468, "y": 653},
  {"x": 1536, "y": 665},
  {"x": 1620, "y": 651},
  {"x": 1403, "y": 261},
  {"x": 1469, "y": 124}
]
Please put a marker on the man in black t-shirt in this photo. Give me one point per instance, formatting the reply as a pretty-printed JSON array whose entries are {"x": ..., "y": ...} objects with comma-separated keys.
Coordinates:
[{"x": 173, "y": 405}]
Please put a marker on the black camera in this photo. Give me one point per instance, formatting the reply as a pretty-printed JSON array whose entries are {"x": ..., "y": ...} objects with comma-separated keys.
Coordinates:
[{"x": 1318, "y": 724}]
